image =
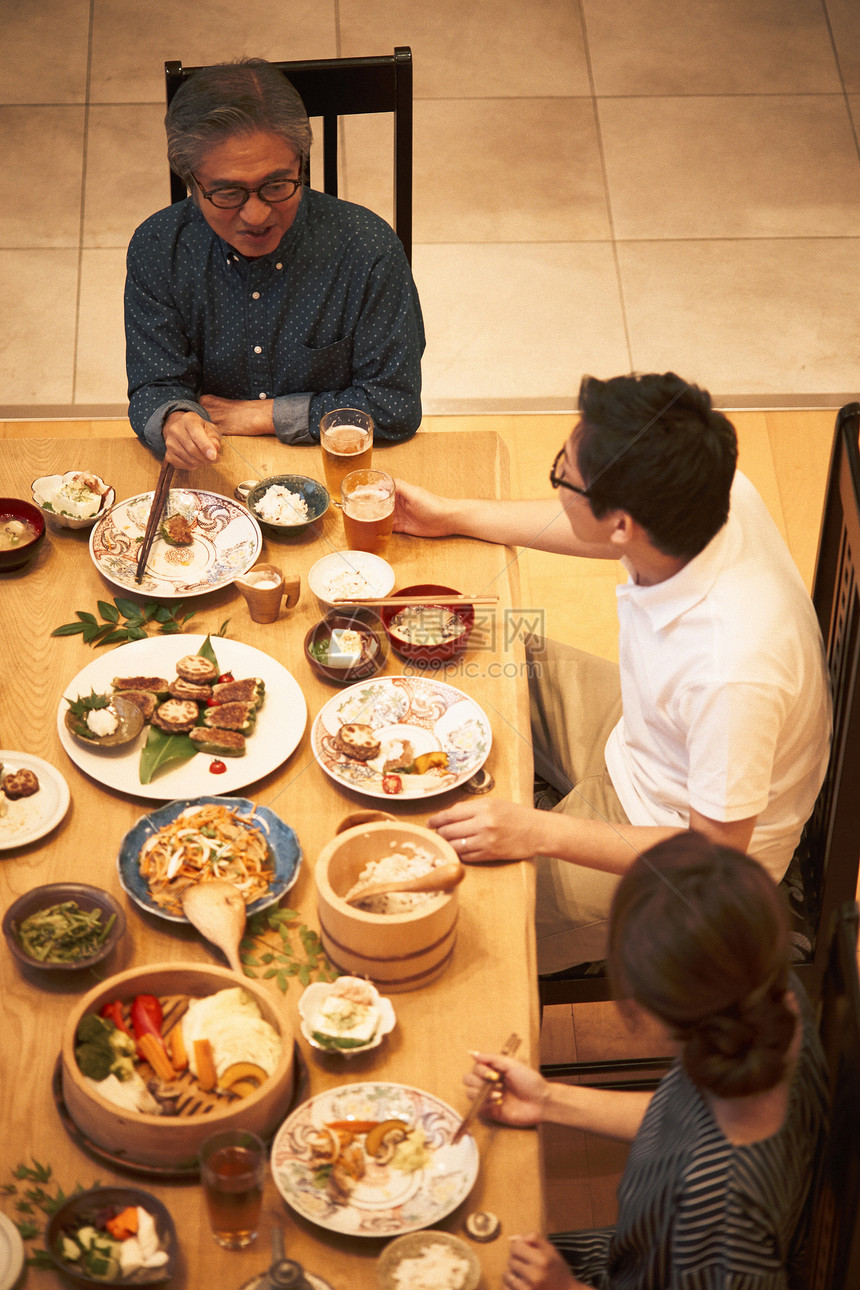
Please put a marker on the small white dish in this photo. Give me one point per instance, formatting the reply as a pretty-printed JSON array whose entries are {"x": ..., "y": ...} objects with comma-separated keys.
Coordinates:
[
  {"x": 350, "y": 573},
  {"x": 30, "y": 818},
  {"x": 312, "y": 1000},
  {"x": 64, "y": 511},
  {"x": 11, "y": 1253}
]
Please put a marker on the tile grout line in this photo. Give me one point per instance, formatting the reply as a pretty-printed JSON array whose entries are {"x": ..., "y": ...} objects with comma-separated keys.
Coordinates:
[
  {"x": 606, "y": 193},
  {"x": 84, "y": 155},
  {"x": 845, "y": 97}
]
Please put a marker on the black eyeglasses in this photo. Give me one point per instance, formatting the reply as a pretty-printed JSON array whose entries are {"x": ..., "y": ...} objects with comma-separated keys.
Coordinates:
[
  {"x": 558, "y": 482},
  {"x": 271, "y": 192}
]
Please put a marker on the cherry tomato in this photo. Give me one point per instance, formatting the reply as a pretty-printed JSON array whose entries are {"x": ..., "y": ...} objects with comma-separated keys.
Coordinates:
[
  {"x": 217, "y": 767},
  {"x": 213, "y": 702},
  {"x": 392, "y": 784},
  {"x": 225, "y": 677}
]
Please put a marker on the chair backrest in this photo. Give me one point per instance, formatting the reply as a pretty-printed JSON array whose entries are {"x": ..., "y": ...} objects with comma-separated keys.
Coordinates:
[
  {"x": 833, "y": 1246},
  {"x": 334, "y": 87},
  {"x": 829, "y": 852}
]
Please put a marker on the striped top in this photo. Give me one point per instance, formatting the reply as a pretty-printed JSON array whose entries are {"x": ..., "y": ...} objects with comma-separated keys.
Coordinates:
[{"x": 695, "y": 1211}]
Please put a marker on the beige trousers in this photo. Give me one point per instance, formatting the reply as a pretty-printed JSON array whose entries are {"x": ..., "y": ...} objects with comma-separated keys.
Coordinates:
[{"x": 575, "y": 702}]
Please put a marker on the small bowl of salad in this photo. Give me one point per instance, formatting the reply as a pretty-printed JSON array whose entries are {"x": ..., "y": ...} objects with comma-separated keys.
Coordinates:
[
  {"x": 347, "y": 1016},
  {"x": 63, "y": 926},
  {"x": 113, "y": 1236},
  {"x": 74, "y": 500}
]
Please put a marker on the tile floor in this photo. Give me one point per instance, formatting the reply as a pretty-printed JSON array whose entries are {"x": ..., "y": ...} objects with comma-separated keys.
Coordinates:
[{"x": 600, "y": 185}]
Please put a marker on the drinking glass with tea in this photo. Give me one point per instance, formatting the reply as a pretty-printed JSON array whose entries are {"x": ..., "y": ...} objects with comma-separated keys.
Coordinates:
[
  {"x": 368, "y": 510},
  {"x": 232, "y": 1170},
  {"x": 346, "y": 439}
]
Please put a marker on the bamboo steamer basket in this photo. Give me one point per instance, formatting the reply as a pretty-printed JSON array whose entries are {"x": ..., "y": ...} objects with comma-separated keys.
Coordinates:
[
  {"x": 172, "y": 1141},
  {"x": 396, "y": 951}
]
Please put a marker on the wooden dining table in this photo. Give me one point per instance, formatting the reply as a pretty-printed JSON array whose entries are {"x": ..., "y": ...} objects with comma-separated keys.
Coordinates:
[{"x": 488, "y": 990}]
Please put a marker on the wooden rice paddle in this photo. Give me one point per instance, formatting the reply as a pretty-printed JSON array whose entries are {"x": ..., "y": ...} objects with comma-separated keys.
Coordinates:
[
  {"x": 443, "y": 877},
  {"x": 217, "y": 910}
]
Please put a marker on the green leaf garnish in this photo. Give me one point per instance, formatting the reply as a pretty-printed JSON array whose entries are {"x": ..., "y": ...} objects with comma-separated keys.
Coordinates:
[
  {"x": 334, "y": 1042},
  {"x": 111, "y": 630},
  {"x": 161, "y": 751}
]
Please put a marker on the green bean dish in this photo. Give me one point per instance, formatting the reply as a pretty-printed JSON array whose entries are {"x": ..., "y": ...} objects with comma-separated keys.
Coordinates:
[{"x": 64, "y": 933}]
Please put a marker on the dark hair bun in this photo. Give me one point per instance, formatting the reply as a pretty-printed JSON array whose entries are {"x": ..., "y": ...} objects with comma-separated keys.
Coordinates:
[{"x": 742, "y": 1050}]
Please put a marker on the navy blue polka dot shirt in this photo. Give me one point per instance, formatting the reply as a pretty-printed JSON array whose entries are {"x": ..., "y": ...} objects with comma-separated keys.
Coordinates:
[{"x": 329, "y": 319}]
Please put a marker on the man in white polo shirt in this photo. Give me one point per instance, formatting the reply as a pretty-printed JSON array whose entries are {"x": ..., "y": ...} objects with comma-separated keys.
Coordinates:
[{"x": 718, "y": 715}]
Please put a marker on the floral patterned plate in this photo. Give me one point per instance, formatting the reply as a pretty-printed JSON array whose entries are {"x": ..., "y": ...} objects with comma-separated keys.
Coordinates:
[
  {"x": 385, "y": 1201},
  {"x": 428, "y": 713},
  {"x": 226, "y": 542}
]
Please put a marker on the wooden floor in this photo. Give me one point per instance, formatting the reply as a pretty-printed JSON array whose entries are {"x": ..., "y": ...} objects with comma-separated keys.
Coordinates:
[{"x": 785, "y": 454}]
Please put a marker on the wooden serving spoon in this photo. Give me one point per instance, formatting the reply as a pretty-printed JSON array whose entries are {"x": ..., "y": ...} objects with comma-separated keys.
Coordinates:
[
  {"x": 217, "y": 910},
  {"x": 443, "y": 877}
]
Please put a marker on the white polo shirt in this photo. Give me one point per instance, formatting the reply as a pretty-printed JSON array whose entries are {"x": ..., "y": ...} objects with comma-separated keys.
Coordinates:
[{"x": 726, "y": 701}]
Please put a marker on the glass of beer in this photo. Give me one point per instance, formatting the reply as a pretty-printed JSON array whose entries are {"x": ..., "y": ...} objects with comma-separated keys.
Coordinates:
[
  {"x": 346, "y": 439},
  {"x": 232, "y": 1170},
  {"x": 368, "y": 510}
]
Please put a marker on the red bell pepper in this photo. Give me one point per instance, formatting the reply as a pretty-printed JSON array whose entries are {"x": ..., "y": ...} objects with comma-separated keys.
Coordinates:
[
  {"x": 146, "y": 1018},
  {"x": 113, "y": 1012}
]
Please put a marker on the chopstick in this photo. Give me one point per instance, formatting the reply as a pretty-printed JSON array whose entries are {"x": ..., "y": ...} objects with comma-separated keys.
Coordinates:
[
  {"x": 441, "y": 599},
  {"x": 159, "y": 499},
  {"x": 490, "y": 1083}
]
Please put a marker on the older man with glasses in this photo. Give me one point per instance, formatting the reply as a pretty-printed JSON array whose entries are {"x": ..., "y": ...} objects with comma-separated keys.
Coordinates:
[
  {"x": 258, "y": 304},
  {"x": 717, "y": 717}
]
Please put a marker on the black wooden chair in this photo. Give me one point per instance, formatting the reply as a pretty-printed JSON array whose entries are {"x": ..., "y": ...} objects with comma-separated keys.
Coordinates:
[
  {"x": 334, "y": 87},
  {"x": 824, "y": 870},
  {"x": 833, "y": 1242}
]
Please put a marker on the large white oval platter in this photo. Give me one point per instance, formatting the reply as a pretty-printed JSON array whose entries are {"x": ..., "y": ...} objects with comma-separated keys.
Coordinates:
[{"x": 280, "y": 724}]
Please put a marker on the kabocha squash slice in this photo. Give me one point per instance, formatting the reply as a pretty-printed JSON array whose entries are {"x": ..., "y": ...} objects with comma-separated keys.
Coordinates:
[{"x": 242, "y": 1073}]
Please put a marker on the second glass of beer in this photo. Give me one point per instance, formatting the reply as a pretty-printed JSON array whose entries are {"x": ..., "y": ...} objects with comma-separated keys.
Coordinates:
[
  {"x": 346, "y": 439},
  {"x": 368, "y": 510}
]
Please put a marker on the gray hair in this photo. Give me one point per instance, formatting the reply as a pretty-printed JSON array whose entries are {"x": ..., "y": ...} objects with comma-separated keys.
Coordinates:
[{"x": 228, "y": 99}]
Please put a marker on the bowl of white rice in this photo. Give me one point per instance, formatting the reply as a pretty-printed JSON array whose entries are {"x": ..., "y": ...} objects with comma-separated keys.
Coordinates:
[
  {"x": 428, "y": 1260},
  {"x": 288, "y": 504},
  {"x": 350, "y": 575},
  {"x": 399, "y": 941}
]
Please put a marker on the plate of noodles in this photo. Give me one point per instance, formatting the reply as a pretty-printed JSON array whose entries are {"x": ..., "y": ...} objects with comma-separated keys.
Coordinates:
[{"x": 226, "y": 838}]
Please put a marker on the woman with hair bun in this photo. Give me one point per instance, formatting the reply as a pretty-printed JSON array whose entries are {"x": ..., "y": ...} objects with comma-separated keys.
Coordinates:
[{"x": 723, "y": 1151}]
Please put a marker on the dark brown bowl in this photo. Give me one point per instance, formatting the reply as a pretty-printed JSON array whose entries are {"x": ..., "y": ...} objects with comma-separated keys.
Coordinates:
[
  {"x": 365, "y": 621},
  {"x": 87, "y": 898},
  {"x": 15, "y": 508},
  {"x": 429, "y": 655},
  {"x": 86, "y": 1206}
]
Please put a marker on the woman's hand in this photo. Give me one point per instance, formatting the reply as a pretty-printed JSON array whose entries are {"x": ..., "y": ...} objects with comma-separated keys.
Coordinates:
[
  {"x": 489, "y": 829},
  {"x": 519, "y": 1096},
  {"x": 534, "y": 1263}
]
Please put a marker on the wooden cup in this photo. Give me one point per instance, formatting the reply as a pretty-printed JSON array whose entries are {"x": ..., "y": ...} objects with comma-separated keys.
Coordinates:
[{"x": 264, "y": 587}]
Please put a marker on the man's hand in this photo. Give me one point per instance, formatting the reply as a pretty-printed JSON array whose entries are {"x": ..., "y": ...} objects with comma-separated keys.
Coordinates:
[
  {"x": 239, "y": 416},
  {"x": 489, "y": 829},
  {"x": 420, "y": 512},
  {"x": 190, "y": 441}
]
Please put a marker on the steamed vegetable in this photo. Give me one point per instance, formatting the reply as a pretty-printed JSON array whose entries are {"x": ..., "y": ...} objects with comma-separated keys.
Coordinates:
[{"x": 101, "y": 1049}]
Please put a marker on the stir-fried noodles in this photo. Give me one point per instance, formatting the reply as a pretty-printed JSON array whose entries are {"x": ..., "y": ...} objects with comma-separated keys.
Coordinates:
[{"x": 201, "y": 844}]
